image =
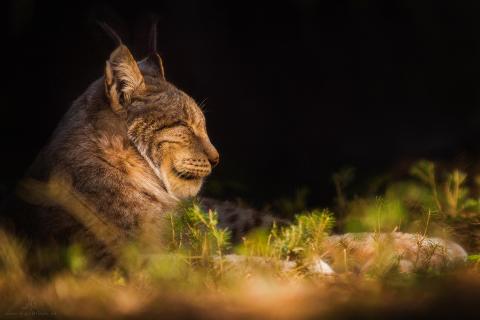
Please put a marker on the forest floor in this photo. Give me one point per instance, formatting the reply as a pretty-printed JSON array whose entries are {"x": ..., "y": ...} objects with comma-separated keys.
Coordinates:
[{"x": 197, "y": 274}]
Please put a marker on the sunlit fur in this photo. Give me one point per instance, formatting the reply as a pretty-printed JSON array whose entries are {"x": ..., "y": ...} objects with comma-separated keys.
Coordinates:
[
  {"x": 165, "y": 124},
  {"x": 168, "y": 129},
  {"x": 131, "y": 147}
]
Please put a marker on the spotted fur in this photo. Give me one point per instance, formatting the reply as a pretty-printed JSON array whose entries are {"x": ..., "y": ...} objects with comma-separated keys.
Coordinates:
[{"x": 240, "y": 220}]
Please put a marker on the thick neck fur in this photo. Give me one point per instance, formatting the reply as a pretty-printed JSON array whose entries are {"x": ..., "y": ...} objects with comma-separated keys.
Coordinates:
[{"x": 92, "y": 147}]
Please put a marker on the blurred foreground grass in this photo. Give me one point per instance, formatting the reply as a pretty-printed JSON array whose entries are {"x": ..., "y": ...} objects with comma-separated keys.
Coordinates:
[{"x": 194, "y": 276}]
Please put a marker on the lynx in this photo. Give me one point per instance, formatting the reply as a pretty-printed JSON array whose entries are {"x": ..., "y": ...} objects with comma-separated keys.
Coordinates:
[{"x": 129, "y": 149}]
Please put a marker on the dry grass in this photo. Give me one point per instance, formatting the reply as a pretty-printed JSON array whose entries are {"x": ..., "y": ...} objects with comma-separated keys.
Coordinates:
[{"x": 194, "y": 277}]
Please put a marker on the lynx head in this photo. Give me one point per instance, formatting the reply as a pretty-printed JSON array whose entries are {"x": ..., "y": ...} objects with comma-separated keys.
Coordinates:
[{"x": 164, "y": 123}]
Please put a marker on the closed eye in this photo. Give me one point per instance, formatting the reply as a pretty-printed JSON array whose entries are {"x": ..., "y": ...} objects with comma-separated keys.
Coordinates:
[
  {"x": 172, "y": 125},
  {"x": 173, "y": 136}
]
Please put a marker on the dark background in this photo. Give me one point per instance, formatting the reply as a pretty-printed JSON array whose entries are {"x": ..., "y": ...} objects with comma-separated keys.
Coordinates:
[{"x": 294, "y": 90}]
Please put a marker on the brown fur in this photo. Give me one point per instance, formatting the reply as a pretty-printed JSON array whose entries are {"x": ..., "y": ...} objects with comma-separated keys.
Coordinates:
[{"x": 130, "y": 148}]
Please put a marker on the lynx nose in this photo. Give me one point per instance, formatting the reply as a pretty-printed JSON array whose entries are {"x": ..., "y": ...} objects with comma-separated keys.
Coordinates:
[
  {"x": 212, "y": 155},
  {"x": 214, "y": 161},
  {"x": 210, "y": 151}
]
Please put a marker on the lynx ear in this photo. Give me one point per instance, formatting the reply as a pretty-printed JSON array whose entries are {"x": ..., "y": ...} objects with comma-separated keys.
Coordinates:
[
  {"x": 153, "y": 57},
  {"x": 153, "y": 63},
  {"x": 122, "y": 78}
]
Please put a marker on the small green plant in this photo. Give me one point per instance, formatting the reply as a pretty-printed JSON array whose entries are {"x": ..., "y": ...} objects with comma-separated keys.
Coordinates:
[
  {"x": 450, "y": 195},
  {"x": 376, "y": 215},
  {"x": 76, "y": 259},
  {"x": 197, "y": 233},
  {"x": 474, "y": 257},
  {"x": 190, "y": 269},
  {"x": 297, "y": 241}
]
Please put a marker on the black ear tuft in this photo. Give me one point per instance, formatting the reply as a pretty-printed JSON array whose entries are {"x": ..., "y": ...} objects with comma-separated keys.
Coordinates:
[
  {"x": 152, "y": 39},
  {"x": 109, "y": 30},
  {"x": 153, "y": 56},
  {"x": 155, "y": 60}
]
